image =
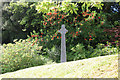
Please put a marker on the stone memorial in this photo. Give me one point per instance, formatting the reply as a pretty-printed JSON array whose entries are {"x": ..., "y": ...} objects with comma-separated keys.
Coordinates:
[{"x": 63, "y": 31}]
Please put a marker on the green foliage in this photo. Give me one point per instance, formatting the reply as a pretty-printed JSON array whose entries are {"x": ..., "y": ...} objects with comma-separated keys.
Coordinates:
[
  {"x": 102, "y": 50},
  {"x": 46, "y": 7},
  {"x": 85, "y": 27},
  {"x": 77, "y": 52},
  {"x": 19, "y": 18},
  {"x": 85, "y": 22},
  {"x": 54, "y": 53},
  {"x": 87, "y": 5},
  {"x": 21, "y": 55},
  {"x": 11, "y": 28},
  {"x": 80, "y": 52}
]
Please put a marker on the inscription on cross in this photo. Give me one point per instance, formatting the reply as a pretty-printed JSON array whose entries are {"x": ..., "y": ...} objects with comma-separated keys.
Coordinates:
[{"x": 63, "y": 31}]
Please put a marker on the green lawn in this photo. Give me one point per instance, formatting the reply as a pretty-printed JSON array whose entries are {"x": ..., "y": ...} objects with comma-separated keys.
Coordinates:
[{"x": 98, "y": 67}]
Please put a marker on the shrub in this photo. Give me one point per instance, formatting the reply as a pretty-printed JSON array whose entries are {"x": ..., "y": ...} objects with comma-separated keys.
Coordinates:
[
  {"x": 114, "y": 32},
  {"x": 89, "y": 51},
  {"x": 80, "y": 52},
  {"x": 21, "y": 55},
  {"x": 103, "y": 50},
  {"x": 77, "y": 52},
  {"x": 54, "y": 53}
]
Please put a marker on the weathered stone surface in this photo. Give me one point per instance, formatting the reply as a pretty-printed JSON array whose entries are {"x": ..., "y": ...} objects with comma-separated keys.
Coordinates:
[{"x": 63, "y": 43}]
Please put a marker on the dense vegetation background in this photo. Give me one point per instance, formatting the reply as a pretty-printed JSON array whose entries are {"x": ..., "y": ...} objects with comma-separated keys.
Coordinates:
[
  {"x": 18, "y": 16},
  {"x": 30, "y": 30}
]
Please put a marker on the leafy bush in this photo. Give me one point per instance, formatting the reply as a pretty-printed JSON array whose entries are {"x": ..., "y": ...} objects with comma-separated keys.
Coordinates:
[
  {"x": 89, "y": 51},
  {"x": 114, "y": 32},
  {"x": 80, "y": 52},
  {"x": 19, "y": 18},
  {"x": 21, "y": 55},
  {"x": 102, "y": 50},
  {"x": 54, "y": 53},
  {"x": 77, "y": 52}
]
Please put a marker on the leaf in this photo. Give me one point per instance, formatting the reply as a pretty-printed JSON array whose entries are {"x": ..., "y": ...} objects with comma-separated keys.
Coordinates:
[
  {"x": 75, "y": 12},
  {"x": 23, "y": 29}
]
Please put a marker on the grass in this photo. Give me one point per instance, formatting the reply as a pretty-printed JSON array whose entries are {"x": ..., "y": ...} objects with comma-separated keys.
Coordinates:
[{"x": 98, "y": 67}]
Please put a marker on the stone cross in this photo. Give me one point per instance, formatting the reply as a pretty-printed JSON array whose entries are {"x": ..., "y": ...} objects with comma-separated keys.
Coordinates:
[{"x": 63, "y": 43}]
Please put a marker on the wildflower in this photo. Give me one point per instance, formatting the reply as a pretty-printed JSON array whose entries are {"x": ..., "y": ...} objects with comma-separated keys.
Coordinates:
[
  {"x": 32, "y": 35},
  {"x": 92, "y": 17},
  {"x": 76, "y": 32},
  {"x": 47, "y": 13},
  {"x": 52, "y": 38},
  {"x": 85, "y": 39},
  {"x": 35, "y": 35},
  {"x": 81, "y": 24},
  {"x": 90, "y": 36},
  {"x": 57, "y": 37},
  {"x": 99, "y": 17},
  {"x": 102, "y": 23},
  {"x": 42, "y": 33},
  {"x": 29, "y": 38},
  {"x": 41, "y": 36},
  {"x": 86, "y": 14},
  {"x": 32, "y": 44},
  {"x": 50, "y": 13},
  {"x": 36, "y": 40},
  {"x": 55, "y": 13},
  {"x": 90, "y": 39},
  {"x": 43, "y": 23}
]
